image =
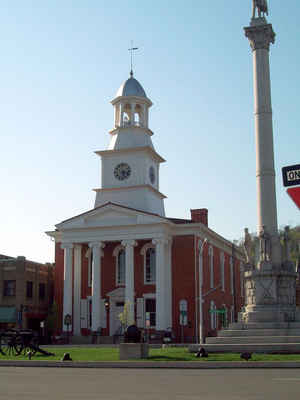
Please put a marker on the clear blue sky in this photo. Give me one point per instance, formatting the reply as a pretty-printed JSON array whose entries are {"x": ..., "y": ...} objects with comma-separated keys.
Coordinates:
[{"x": 63, "y": 61}]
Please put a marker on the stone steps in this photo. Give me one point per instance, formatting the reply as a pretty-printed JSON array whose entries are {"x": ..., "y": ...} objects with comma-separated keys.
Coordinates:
[
  {"x": 257, "y": 332},
  {"x": 288, "y": 348},
  {"x": 253, "y": 340},
  {"x": 264, "y": 325}
]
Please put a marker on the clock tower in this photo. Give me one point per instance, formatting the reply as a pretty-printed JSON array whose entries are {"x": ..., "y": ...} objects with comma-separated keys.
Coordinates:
[{"x": 130, "y": 165}]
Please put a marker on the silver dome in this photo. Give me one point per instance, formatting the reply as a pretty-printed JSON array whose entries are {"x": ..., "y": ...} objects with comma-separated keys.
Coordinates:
[{"x": 131, "y": 87}]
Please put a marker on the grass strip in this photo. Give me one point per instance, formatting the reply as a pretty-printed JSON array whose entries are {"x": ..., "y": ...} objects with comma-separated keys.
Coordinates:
[{"x": 167, "y": 354}]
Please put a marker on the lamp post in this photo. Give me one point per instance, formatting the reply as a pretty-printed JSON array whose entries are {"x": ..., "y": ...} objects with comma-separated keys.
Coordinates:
[{"x": 200, "y": 290}]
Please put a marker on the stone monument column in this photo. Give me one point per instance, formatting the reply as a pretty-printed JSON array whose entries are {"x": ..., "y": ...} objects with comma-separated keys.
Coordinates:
[
  {"x": 270, "y": 281},
  {"x": 260, "y": 35}
]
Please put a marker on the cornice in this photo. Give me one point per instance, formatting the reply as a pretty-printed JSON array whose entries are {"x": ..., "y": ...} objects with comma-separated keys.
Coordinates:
[
  {"x": 128, "y": 99},
  {"x": 115, "y": 130},
  {"x": 157, "y": 192},
  {"x": 147, "y": 149}
]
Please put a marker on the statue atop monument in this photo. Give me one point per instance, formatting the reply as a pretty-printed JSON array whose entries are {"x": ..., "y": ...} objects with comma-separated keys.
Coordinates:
[
  {"x": 247, "y": 245},
  {"x": 265, "y": 245},
  {"x": 261, "y": 6}
]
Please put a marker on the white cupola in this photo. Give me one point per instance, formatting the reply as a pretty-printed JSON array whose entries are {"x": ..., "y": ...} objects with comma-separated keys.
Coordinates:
[{"x": 130, "y": 165}]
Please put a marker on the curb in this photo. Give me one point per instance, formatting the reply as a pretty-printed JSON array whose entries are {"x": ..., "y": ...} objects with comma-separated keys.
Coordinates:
[{"x": 149, "y": 364}]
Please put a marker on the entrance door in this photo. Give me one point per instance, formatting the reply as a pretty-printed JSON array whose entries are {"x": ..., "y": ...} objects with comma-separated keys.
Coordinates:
[{"x": 116, "y": 307}]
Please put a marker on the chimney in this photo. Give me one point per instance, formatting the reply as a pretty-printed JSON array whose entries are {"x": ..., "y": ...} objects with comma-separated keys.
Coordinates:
[{"x": 200, "y": 215}]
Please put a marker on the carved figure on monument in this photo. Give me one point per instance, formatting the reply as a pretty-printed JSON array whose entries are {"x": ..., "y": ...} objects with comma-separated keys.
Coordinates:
[
  {"x": 247, "y": 244},
  {"x": 261, "y": 6},
  {"x": 265, "y": 245}
]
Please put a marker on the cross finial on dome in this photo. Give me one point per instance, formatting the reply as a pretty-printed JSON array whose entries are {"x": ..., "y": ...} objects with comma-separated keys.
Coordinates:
[{"x": 131, "y": 57}]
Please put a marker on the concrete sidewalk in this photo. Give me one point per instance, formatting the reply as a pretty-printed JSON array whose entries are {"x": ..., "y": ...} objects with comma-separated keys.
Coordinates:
[{"x": 154, "y": 364}]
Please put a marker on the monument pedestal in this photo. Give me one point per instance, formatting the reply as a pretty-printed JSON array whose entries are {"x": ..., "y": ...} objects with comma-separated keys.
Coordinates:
[
  {"x": 270, "y": 294},
  {"x": 133, "y": 351}
]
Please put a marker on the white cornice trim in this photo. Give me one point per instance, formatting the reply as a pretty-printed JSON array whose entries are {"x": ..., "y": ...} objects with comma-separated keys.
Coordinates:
[
  {"x": 139, "y": 100},
  {"x": 115, "y": 130},
  {"x": 162, "y": 196},
  {"x": 147, "y": 149},
  {"x": 204, "y": 232},
  {"x": 56, "y": 235}
]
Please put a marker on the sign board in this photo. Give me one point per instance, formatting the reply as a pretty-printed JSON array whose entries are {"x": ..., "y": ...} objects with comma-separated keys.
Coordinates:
[
  {"x": 183, "y": 320},
  {"x": 294, "y": 194},
  {"x": 183, "y": 314},
  {"x": 291, "y": 175}
]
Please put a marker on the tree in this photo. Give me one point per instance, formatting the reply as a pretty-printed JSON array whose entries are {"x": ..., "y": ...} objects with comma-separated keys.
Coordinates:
[{"x": 125, "y": 316}]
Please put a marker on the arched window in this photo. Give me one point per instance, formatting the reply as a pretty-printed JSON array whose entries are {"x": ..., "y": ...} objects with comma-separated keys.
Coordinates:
[
  {"x": 231, "y": 275},
  {"x": 225, "y": 317},
  {"x": 121, "y": 268},
  {"x": 222, "y": 270},
  {"x": 150, "y": 266},
  {"x": 137, "y": 115},
  {"x": 119, "y": 253},
  {"x": 211, "y": 265},
  {"x": 148, "y": 251},
  {"x": 213, "y": 316}
]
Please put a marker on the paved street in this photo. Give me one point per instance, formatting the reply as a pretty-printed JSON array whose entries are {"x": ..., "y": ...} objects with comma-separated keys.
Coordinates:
[{"x": 147, "y": 384}]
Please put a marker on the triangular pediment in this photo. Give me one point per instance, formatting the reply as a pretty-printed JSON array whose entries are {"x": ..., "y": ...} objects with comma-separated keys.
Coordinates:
[
  {"x": 119, "y": 292},
  {"x": 110, "y": 215}
]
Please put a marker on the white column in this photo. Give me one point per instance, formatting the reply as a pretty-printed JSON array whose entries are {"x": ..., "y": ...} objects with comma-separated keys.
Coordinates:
[
  {"x": 132, "y": 106},
  {"x": 96, "y": 284},
  {"x": 121, "y": 115},
  {"x": 68, "y": 263},
  {"x": 161, "y": 285},
  {"x": 144, "y": 116},
  {"x": 168, "y": 291},
  {"x": 129, "y": 276},
  {"x": 77, "y": 289}
]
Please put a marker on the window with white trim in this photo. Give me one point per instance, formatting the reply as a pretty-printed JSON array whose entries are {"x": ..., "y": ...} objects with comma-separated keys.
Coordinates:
[
  {"x": 150, "y": 265},
  {"x": 222, "y": 271},
  {"x": 225, "y": 317},
  {"x": 231, "y": 275},
  {"x": 120, "y": 273},
  {"x": 213, "y": 316},
  {"x": 89, "y": 256},
  {"x": 211, "y": 266}
]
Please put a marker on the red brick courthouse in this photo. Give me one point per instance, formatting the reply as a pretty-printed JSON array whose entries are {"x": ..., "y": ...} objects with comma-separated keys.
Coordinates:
[{"x": 125, "y": 250}]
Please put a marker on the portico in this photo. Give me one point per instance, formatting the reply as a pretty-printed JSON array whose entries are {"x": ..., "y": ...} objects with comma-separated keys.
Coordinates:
[{"x": 159, "y": 239}]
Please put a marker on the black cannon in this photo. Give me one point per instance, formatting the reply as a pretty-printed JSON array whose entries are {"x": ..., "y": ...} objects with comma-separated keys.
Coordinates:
[
  {"x": 132, "y": 334},
  {"x": 20, "y": 341}
]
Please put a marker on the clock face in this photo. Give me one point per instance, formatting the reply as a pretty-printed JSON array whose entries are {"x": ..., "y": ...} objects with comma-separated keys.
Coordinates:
[
  {"x": 122, "y": 171},
  {"x": 152, "y": 174}
]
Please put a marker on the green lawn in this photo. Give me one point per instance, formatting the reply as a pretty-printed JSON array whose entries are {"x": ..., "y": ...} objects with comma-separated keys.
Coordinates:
[{"x": 168, "y": 354}]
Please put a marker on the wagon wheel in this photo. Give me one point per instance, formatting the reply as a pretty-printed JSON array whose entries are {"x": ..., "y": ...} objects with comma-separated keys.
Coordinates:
[
  {"x": 7, "y": 345},
  {"x": 3, "y": 345},
  {"x": 34, "y": 344}
]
